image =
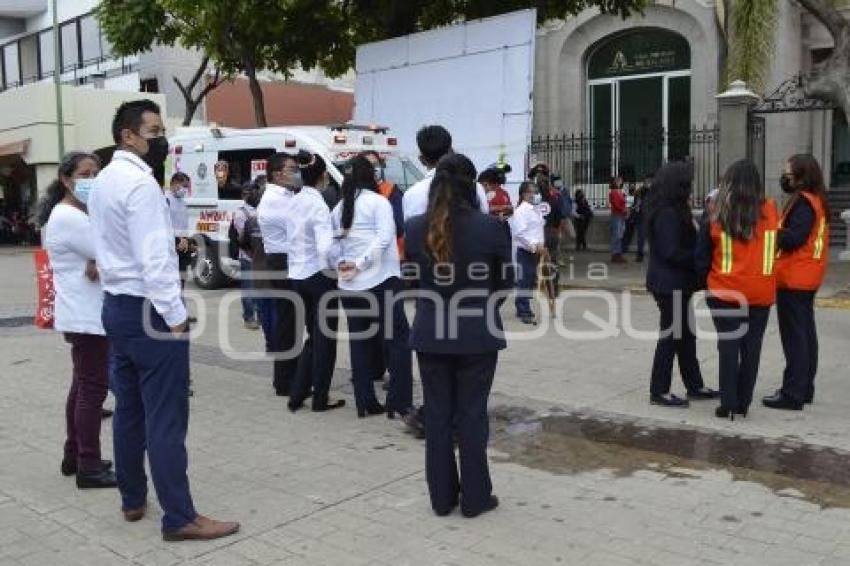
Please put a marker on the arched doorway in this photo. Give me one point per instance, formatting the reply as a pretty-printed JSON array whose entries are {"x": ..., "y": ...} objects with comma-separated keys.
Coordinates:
[{"x": 639, "y": 102}]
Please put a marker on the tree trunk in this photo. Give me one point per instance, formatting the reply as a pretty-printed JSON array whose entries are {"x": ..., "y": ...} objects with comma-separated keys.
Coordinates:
[
  {"x": 192, "y": 102},
  {"x": 830, "y": 79},
  {"x": 191, "y": 108},
  {"x": 256, "y": 94}
]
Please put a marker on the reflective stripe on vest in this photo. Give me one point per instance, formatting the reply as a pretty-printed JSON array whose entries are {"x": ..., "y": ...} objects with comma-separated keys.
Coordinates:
[
  {"x": 769, "y": 256},
  {"x": 725, "y": 253},
  {"x": 819, "y": 240}
]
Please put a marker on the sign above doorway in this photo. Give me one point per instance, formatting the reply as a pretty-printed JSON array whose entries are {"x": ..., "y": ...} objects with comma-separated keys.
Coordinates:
[{"x": 639, "y": 52}]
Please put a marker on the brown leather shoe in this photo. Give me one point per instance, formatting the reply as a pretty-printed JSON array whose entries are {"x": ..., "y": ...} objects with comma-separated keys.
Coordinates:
[
  {"x": 202, "y": 528},
  {"x": 133, "y": 515}
]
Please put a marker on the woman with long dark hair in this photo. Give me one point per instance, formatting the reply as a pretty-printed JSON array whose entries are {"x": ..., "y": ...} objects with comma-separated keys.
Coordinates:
[
  {"x": 800, "y": 268},
  {"x": 365, "y": 256},
  {"x": 672, "y": 280},
  {"x": 79, "y": 298},
  {"x": 464, "y": 260},
  {"x": 736, "y": 254}
]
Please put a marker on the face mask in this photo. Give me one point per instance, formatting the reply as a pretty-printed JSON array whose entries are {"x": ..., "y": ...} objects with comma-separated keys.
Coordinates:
[
  {"x": 157, "y": 151},
  {"x": 785, "y": 184},
  {"x": 181, "y": 192},
  {"x": 536, "y": 199},
  {"x": 82, "y": 189},
  {"x": 379, "y": 174},
  {"x": 295, "y": 182}
]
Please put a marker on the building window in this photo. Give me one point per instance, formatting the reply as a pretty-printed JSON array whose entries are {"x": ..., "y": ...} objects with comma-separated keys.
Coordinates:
[
  {"x": 70, "y": 47},
  {"x": 840, "y": 150},
  {"x": 11, "y": 68},
  {"x": 149, "y": 85},
  {"x": 90, "y": 39},
  {"x": 29, "y": 58},
  {"x": 45, "y": 40},
  {"x": 639, "y": 101}
]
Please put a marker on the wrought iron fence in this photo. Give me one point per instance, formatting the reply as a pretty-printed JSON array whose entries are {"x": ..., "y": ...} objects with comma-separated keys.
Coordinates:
[{"x": 589, "y": 162}]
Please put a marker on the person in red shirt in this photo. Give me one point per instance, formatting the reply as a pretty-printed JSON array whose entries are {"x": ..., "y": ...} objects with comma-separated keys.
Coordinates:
[
  {"x": 498, "y": 199},
  {"x": 617, "y": 202}
]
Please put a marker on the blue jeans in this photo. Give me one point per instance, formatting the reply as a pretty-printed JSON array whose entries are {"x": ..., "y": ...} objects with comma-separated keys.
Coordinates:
[
  {"x": 249, "y": 305},
  {"x": 526, "y": 278},
  {"x": 267, "y": 313},
  {"x": 149, "y": 376},
  {"x": 618, "y": 228}
]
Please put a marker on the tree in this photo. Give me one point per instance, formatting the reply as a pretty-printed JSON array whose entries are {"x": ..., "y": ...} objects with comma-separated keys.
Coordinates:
[
  {"x": 750, "y": 31},
  {"x": 134, "y": 27},
  {"x": 251, "y": 36},
  {"x": 830, "y": 79}
]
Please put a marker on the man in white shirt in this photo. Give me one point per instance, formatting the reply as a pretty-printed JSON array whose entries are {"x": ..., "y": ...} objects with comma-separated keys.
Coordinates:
[
  {"x": 303, "y": 229},
  {"x": 177, "y": 191},
  {"x": 275, "y": 199},
  {"x": 434, "y": 142},
  {"x": 145, "y": 322}
]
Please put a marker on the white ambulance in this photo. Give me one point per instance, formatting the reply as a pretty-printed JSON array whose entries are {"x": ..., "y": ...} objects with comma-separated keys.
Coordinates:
[{"x": 195, "y": 151}]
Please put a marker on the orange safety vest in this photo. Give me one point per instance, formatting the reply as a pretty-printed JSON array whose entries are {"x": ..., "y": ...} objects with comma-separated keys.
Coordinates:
[
  {"x": 745, "y": 267},
  {"x": 386, "y": 189},
  {"x": 803, "y": 269}
]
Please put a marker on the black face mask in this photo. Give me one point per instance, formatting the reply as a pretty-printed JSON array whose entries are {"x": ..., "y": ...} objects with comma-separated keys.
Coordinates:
[
  {"x": 157, "y": 151},
  {"x": 785, "y": 184}
]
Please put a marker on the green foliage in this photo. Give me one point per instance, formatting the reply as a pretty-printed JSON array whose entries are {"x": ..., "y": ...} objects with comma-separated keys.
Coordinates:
[
  {"x": 753, "y": 29},
  {"x": 279, "y": 35}
]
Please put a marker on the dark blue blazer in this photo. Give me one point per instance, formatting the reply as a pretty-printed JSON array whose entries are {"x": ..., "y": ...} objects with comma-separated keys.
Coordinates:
[
  {"x": 672, "y": 241},
  {"x": 481, "y": 260}
]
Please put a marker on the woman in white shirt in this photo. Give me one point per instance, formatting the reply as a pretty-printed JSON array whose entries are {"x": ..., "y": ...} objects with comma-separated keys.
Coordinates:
[
  {"x": 529, "y": 239},
  {"x": 79, "y": 298},
  {"x": 366, "y": 259}
]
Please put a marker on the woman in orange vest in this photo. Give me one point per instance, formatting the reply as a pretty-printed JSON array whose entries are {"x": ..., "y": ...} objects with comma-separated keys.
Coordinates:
[
  {"x": 803, "y": 255},
  {"x": 736, "y": 253}
]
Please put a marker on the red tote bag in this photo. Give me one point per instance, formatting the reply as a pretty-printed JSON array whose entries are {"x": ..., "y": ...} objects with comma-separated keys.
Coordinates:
[{"x": 46, "y": 292}]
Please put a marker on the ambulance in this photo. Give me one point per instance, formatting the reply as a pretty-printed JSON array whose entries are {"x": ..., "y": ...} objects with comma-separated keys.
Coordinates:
[{"x": 195, "y": 152}]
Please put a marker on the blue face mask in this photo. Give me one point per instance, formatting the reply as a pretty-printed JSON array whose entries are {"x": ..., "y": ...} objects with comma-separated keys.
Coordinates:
[{"x": 82, "y": 189}]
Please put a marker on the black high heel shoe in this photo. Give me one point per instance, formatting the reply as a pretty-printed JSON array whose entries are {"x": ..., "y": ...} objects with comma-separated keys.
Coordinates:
[
  {"x": 724, "y": 413},
  {"x": 391, "y": 413},
  {"x": 742, "y": 411},
  {"x": 370, "y": 410}
]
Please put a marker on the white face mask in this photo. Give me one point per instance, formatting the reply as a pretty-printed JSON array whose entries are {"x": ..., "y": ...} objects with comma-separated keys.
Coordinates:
[
  {"x": 536, "y": 199},
  {"x": 181, "y": 192},
  {"x": 82, "y": 189}
]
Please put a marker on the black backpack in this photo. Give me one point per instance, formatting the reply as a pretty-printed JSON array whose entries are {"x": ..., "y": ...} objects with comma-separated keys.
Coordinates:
[{"x": 233, "y": 241}]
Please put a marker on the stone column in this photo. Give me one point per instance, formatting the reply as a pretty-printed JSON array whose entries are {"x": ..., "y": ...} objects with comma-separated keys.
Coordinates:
[{"x": 733, "y": 113}]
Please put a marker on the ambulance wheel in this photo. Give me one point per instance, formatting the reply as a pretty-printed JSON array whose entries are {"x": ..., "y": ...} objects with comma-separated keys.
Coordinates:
[{"x": 207, "y": 271}]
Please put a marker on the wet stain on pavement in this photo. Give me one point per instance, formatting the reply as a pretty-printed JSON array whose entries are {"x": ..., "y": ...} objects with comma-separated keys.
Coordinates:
[{"x": 572, "y": 443}]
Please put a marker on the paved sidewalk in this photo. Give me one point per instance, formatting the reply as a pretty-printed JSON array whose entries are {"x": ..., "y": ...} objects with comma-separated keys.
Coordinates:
[{"x": 333, "y": 489}]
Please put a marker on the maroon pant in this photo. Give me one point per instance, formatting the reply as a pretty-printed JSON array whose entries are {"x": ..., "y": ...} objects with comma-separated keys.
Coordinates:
[{"x": 90, "y": 355}]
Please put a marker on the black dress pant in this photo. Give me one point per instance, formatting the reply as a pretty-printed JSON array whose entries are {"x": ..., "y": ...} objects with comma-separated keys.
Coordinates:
[
  {"x": 456, "y": 389},
  {"x": 797, "y": 329},
  {"x": 318, "y": 358},
  {"x": 739, "y": 346},
  {"x": 676, "y": 340},
  {"x": 581, "y": 225},
  {"x": 284, "y": 334}
]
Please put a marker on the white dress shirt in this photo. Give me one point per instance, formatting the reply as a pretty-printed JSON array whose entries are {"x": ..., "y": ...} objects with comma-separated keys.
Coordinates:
[
  {"x": 305, "y": 225},
  {"x": 269, "y": 213},
  {"x": 415, "y": 200},
  {"x": 179, "y": 212},
  {"x": 68, "y": 241},
  {"x": 370, "y": 242},
  {"x": 527, "y": 227},
  {"x": 133, "y": 236}
]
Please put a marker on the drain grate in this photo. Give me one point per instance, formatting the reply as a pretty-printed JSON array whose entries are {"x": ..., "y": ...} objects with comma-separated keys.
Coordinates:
[{"x": 16, "y": 321}]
